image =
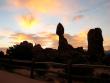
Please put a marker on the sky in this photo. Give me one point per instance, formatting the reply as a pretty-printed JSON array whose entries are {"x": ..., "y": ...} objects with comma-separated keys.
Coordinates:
[{"x": 36, "y": 21}]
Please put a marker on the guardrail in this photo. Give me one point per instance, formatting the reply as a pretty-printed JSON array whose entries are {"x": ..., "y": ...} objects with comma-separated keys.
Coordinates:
[{"x": 30, "y": 66}]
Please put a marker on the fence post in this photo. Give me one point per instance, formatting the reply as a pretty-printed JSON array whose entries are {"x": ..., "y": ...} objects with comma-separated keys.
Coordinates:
[
  {"x": 10, "y": 63},
  {"x": 32, "y": 69},
  {"x": 69, "y": 76}
]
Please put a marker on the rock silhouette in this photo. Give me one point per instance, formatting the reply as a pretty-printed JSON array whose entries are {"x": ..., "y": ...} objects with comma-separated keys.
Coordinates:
[
  {"x": 60, "y": 29},
  {"x": 63, "y": 43},
  {"x": 95, "y": 45},
  {"x": 65, "y": 51}
]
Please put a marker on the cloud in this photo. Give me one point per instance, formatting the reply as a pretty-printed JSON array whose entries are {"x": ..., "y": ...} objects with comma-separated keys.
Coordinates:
[
  {"x": 78, "y": 17},
  {"x": 27, "y": 21},
  {"x": 77, "y": 40},
  {"x": 4, "y": 37},
  {"x": 19, "y": 37},
  {"x": 42, "y": 10},
  {"x": 46, "y": 39},
  {"x": 42, "y": 6},
  {"x": 53, "y": 7},
  {"x": 106, "y": 43},
  {"x": 6, "y": 32}
]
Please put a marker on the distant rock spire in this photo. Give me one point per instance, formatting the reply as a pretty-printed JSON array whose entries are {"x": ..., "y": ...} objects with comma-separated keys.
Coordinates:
[
  {"x": 63, "y": 43},
  {"x": 60, "y": 29}
]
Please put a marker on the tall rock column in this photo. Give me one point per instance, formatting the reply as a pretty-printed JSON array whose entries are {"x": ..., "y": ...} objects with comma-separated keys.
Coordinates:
[{"x": 95, "y": 45}]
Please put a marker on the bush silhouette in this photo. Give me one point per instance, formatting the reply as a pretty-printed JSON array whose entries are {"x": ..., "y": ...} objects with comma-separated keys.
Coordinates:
[{"x": 22, "y": 51}]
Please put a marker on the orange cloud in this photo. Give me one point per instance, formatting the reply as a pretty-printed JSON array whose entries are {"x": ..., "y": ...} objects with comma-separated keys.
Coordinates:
[
  {"x": 77, "y": 40},
  {"x": 106, "y": 43},
  {"x": 19, "y": 37},
  {"x": 27, "y": 21},
  {"x": 47, "y": 39},
  {"x": 42, "y": 6},
  {"x": 53, "y": 7}
]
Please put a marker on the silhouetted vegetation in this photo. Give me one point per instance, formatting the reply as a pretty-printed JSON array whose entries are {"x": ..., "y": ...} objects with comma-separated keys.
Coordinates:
[{"x": 22, "y": 51}]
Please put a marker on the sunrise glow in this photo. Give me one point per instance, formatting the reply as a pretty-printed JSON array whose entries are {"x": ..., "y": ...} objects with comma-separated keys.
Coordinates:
[
  {"x": 28, "y": 22},
  {"x": 36, "y": 21}
]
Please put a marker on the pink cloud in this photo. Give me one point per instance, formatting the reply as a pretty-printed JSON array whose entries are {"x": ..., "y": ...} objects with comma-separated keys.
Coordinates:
[
  {"x": 78, "y": 17},
  {"x": 53, "y": 7}
]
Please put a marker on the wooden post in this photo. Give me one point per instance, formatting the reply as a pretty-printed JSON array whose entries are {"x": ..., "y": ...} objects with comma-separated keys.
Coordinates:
[
  {"x": 32, "y": 69},
  {"x": 69, "y": 76},
  {"x": 10, "y": 63}
]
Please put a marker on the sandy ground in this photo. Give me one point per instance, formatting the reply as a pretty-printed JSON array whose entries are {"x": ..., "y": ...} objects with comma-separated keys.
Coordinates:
[{"x": 6, "y": 77}]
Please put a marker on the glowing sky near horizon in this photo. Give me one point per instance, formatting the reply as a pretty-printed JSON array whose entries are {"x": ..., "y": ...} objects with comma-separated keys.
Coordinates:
[{"x": 36, "y": 21}]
